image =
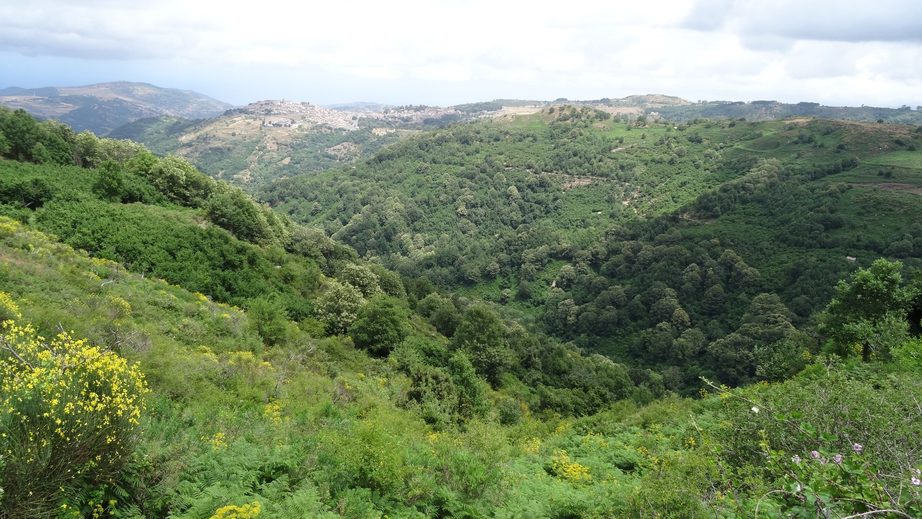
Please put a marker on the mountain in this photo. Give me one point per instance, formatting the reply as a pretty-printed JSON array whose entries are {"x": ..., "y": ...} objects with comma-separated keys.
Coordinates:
[
  {"x": 267, "y": 140},
  {"x": 103, "y": 107},
  {"x": 270, "y": 139}
]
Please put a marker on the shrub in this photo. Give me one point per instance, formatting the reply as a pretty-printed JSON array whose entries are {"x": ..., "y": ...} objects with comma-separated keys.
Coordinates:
[
  {"x": 247, "y": 511},
  {"x": 69, "y": 414},
  {"x": 268, "y": 318},
  {"x": 9, "y": 310}
]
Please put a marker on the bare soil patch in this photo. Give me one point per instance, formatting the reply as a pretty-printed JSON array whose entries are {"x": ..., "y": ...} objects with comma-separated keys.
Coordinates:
[{"x": 895, "y": 186}]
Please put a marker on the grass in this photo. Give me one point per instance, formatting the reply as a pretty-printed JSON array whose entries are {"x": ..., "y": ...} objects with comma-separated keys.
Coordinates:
[{"x": 901, "y": 159}]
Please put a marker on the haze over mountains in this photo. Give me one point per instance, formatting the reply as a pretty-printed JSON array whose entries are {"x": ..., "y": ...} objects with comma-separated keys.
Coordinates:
[
  {"x": 268, "y": 139},
  {"x": 103, "y": 107}
]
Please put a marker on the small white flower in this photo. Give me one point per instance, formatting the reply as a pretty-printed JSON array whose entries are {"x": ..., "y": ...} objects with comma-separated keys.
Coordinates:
[{"x": 755, "y": 409}]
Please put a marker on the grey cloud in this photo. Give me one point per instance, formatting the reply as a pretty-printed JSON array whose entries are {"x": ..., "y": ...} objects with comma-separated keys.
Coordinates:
[
  {"x": 75, "y": 45},
  {"x": 820, "y": 20},
  {"x": 708, "y": 15},
  {"x": 93, "y": 29}
]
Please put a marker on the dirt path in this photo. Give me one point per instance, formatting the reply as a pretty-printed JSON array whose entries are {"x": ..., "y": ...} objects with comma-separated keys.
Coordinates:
[{"x": 893, "y": 186}]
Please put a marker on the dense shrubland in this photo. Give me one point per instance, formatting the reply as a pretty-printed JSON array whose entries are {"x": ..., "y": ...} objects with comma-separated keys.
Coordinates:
[
  {"x": 249, "y": 366},
  {"x": 227, "y": 424}
]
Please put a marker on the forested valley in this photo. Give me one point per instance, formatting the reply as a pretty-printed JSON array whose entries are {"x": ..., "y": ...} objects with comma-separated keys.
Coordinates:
[{"x": 564, "y": 314}]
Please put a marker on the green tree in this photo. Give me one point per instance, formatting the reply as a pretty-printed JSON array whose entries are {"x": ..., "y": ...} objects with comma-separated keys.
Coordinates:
[
  {"x": 4, "y": 144},
  {"x": 122, "y": 151},
  {"x": 389, "y": 281},
  {"x": 482, "y": 337},
  {"x": 380, "y": 325},
  {"x": 440, "y": 312},
  {"x": 867, "y": 314},
  {"x": 87, "y": 150},
  {"x": 233, "y": 210},
  {"x": 176, "y": 178},
  {"x": 471, "y": 390},
  {"x": 361, "y": 278},
  {"x": 110, "y": 183},
  {"x": 59, "y": 140},
  {"x": 22, "y": 132},
  {"x": 40, "y": 154},
  {"x": 338, "y": 306}
]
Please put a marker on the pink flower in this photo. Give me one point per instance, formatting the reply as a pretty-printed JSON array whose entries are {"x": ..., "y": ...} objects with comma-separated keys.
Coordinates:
[
  {"x": 815, "y": 455},
  {"x": 857, "y": 447},
  {"x": 837, "y": 459},
  {"x": 916, "y": 481}
]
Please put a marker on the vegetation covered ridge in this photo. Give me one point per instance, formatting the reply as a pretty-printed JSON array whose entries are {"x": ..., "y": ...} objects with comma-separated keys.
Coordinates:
[
  {"x": 211, "y": 361},
  {"x": 651, "y": 243}
]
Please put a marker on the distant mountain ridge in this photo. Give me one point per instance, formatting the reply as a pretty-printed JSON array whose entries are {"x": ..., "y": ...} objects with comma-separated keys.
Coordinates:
[
  {"x": 103, "y": 107},
  {"x": 265, "y": 140},
  {"x": 766, "y": 110}
]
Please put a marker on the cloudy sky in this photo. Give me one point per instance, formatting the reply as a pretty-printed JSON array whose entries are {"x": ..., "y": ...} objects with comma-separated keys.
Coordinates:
[{"x": 453, "y": 51}]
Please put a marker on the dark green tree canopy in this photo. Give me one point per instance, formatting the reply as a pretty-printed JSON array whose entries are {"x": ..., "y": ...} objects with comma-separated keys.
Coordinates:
[
  {"x": 380, "y": 325},
  {"x": 482, "y": 337}
]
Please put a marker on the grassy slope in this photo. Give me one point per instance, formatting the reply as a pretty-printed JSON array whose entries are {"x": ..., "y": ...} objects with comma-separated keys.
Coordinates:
[
  {"x": 169, "y": 241},
  {"x": 316, "y": 429},
  {"x": 336, "y": 443}
]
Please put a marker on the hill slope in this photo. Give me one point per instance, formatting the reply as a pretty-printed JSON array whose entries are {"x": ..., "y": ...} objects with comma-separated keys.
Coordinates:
[
  {"x": 262, "y": 140},
  {"x": 103, "y": 107},
  {"x": 338, "y": 393},
  {"x": 271, "y": 139},
  {"x": 636, "y": 241}
]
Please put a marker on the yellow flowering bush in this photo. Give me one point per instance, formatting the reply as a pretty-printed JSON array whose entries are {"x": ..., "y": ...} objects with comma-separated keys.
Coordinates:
[
  {"x": 570, "y": 470},
  {"x": 69, "y": 413},
  {"x": 9, "y": 310},
  {"x": 8, "y": 226},
  {"x": 532, "y": 445},
  {"x": 248, "y": 511},
  {"x": 273, "y": 412},
  {"x": 217, "y": 441}
]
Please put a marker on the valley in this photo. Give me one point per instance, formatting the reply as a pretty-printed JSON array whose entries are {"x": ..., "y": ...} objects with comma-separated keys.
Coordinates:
[
  {"x": 460, "y": 260},
  {"x": 544, "y": 312}
]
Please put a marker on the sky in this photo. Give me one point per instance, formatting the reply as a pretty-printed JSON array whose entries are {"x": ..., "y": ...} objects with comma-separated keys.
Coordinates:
[{"x": 453, "y": 51}]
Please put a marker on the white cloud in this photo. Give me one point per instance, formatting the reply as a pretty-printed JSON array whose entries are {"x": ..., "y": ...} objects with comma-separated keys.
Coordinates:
[{"x": 854, "y": 52}]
